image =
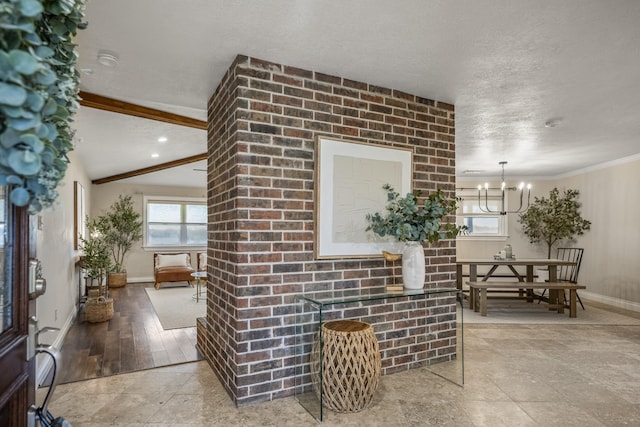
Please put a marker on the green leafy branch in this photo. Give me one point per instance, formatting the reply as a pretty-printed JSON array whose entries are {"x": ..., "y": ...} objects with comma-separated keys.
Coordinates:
[
  {"x": 405, "y": 220},
  {"x": 38, "y": 96}
]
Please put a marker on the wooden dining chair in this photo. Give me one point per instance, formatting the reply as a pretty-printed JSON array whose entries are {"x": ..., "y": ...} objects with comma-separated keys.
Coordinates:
[{"x": 568, "y": 273}]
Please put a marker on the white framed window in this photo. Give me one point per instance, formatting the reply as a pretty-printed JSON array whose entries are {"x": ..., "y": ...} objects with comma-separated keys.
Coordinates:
[
  {"x": 175, "y": 222},
  {"x": 481, "y": 225}
]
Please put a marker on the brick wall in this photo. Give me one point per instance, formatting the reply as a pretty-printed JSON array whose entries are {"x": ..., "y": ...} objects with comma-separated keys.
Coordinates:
[{"x": 263, "y": 120}]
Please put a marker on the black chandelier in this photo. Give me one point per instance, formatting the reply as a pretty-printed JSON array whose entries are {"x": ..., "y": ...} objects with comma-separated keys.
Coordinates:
[{"x": 503, "y": 189}]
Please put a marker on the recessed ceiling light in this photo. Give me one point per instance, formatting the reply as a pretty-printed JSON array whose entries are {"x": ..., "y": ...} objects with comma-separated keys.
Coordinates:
[
  {"x": 86, "y": 71},
  {"x": 163, "y": 139},
  {"x": 108, "y": 58},
  {"x": 154, "y": 155}
]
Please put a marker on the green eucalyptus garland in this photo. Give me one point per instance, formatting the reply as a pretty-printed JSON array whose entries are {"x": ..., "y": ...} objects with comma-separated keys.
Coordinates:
[
  {"x": 406, "y": 221},
  {"x": 38, "y": 96}
]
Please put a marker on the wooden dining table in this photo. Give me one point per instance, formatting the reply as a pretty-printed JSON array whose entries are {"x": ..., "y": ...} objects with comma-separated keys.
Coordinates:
[{"x": 511, "y": 263}]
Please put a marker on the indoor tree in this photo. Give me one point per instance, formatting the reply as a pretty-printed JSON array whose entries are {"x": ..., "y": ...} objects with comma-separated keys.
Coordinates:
[
  {"x": 121, "y": 227},
  {"x": 554, "y": 219},
  {"x": 96, "y": 260}
]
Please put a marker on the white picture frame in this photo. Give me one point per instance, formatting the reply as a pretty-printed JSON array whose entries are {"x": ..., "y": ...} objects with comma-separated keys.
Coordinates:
[{"x": 349, "y": 177}]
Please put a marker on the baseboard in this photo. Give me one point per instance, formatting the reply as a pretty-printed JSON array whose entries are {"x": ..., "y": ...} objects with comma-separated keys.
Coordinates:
[
  {"x": 614, "y": 302},
  {"x": 140, "y": 279},
  {"x": 43, "y": 370}
]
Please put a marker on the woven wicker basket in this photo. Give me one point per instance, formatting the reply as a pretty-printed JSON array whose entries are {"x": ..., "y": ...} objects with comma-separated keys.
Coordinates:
[
  {"x": 95, "y": 291},
  {"x": 98, "y": 309},
  {"x": 351, "y": 365},
  {"x": 117, "y": 280}
]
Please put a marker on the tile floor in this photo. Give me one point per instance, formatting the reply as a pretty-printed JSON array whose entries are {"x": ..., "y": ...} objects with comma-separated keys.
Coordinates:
[{"x": 515, "y": 375}]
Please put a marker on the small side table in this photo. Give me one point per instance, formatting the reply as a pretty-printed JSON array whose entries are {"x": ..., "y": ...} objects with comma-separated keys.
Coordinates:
[{"x": 199, "y": 275}]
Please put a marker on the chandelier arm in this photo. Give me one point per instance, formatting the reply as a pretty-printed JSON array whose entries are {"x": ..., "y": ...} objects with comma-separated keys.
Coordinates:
[
  {"x": 479, "y": 202},
  {"x": 520, "y": 207},
  {"x": 486, "y": 201}
]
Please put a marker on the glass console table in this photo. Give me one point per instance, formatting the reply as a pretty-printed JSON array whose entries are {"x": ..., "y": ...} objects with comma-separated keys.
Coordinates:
[{"x": 313, "y": 309}]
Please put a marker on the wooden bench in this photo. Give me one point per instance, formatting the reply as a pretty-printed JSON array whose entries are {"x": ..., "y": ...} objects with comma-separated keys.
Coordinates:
[{"x": 478, "y": 293}]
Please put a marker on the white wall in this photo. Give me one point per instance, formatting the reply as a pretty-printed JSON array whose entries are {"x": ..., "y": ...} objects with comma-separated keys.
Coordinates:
[
  {"x": 610, "y": 200},
  {"x": 139, "y": 261},
  {"x": 55, "y": 249}
]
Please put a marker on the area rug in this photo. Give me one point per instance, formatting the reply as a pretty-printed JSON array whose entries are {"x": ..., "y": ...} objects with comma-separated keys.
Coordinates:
[
  {"x": 175, "y": 307},
  {"x": 522, "y": 312}
]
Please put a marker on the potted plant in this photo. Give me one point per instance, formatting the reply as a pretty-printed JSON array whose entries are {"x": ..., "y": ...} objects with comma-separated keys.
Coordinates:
[
  {"x": 405, "y": 220},
  {"x": 96, "y": 259},
  {"x": 121, "y": 227},
  {"x": 553, "y": 220}
]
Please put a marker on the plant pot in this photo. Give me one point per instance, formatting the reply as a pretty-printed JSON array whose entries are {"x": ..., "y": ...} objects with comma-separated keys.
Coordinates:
[
  {"x": 117, "y": 279},
  {"x": 98, "y": 309},
  {"x": 413, "y": 266},
  {"x": 95, "y": 284}
]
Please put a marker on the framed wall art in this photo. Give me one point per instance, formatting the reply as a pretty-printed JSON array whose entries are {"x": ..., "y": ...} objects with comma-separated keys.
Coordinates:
[
  {"x": 80, "y": 214},
  {"x": 349, "y": 180}
]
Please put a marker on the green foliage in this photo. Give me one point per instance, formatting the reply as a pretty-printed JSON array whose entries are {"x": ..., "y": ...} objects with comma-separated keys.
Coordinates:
[
  {"x": 405, "y": 220},
  {"x": 121, "y": 227},
  {"x": 38, "y": 96},
  {"x": 554, "y": 219},
  {"x": 96, "y": 257}
]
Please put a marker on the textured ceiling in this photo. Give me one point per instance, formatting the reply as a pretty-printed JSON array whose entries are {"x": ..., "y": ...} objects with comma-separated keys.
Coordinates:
[{"x": 508, "y": 66}]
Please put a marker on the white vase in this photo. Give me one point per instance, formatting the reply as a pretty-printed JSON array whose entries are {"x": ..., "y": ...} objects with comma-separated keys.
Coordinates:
[{"x": 413, "y": 266}]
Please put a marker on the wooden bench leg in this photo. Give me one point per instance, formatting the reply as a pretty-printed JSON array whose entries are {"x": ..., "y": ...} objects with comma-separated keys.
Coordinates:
[
  {"x": 572, "y": 303},
  {"x": 483, "y": 302},
  {"x": 473, "y": 299},
  {"x": 561, "y": 301}
]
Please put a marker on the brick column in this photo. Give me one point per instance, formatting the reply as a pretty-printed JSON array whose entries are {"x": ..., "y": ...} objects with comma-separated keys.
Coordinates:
[{"x": 263, "y": 120}]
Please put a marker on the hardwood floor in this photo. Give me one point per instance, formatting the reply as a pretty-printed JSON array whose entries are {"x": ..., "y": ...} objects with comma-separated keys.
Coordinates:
[{"x": 132, "y": 340}]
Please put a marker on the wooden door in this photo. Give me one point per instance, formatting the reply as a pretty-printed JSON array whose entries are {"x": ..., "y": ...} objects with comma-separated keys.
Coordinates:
[{"x": 17, "y": 374}]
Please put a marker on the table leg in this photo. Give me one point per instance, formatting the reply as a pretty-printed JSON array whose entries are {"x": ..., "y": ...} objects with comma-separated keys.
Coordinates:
[
  {"x": 472, "y": 298},
  {"x": 529, "y": 278},
  {"x": 572, "y": 303},
  {"x": 489, "y": 273},
  {"x": 556, "y": 297}
]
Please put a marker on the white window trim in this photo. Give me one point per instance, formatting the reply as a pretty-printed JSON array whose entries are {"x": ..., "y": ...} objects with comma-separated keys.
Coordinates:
[{"x": 160, "y": 199}]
